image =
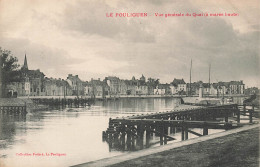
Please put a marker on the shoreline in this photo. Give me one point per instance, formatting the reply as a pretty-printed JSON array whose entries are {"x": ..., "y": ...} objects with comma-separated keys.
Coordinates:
[{"x": 123, "y": 96}]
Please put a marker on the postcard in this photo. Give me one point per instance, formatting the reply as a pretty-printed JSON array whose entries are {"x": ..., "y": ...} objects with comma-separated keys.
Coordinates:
[{"x": 123, "y": 83}]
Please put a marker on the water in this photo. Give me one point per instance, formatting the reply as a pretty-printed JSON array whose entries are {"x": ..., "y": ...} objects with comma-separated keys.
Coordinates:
[{"x": 75, "y": 134}]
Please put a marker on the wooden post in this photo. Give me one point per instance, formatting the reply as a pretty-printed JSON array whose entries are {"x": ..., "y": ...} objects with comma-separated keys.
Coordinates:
[
  {"x": 244, "y": 108},
  {"x": 152, "y": 128},
  {"x": 165, "y": 130},
  {"x": 140, "y": 133},
  {"x": 110, "y": 141},
  {"x": 172, "y": 128},
  {"x": 186, "y": 133},
  {"x": 148, "y": 131},
  {"x": 123, "y": 133},
  {"x": 104, "y": 136},
  {"x": 161, "y": 134},
  {"x": 205, "y": 129},
  {"x": 128, "y": 139},
  {"x": 226, "y": 116},
  {"x": 250, "y": 116},
  {"x": 132, "y": 140},
  {"x": 182, "y": 132},
  {"x": 142, "y": 136},
  {"x": 238, "y": 116}
]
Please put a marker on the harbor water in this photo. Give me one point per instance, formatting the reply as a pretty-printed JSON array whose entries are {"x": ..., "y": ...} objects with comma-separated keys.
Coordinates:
[{"x": 69, "y": 136}]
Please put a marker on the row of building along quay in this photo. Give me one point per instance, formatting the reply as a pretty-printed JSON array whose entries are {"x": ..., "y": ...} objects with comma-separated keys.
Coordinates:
[{"x": 34, "y": 83}]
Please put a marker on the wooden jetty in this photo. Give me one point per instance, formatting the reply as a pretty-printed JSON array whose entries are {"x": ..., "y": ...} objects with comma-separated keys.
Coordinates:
[
  {"x": 13, "y": 109},
  {"x": 132, "y": 132},
  {"x": 64, "y": 102}
]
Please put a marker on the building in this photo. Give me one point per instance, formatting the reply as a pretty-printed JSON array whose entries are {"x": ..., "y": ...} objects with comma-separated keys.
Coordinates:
[
  {"x": 76, "y": 85},
  {"x": 251, "y": 91},
  {"x": 218, "y": 89},
  {"x": 36, "y": 78},
  {"x": 160, "y": 90},
  {"x": 122, "y": 87},
  {"x": 113, "y": 83},
  {"x": 96, "y": 88},
  {"x": 194, "y": 88},
  {"x": 178, "y": 86},
  {"x": 236, "y": 87},
  {"x": 131, "y": 87},
  {"x": 141, "y": 89},
  {"x": 20, "y": 87},
  {"x": 57, "y": 87},
  {"x": 223, "y": 88}
]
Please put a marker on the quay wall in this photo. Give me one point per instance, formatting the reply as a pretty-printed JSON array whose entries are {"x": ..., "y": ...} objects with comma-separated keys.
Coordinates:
[
  {"x": 122, "y": 96},
  {"x": 14, "y": 102},
  {"x": 99, "y": 97}
]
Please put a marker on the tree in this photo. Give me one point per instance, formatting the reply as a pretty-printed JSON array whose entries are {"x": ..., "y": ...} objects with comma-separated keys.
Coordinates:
[{"x": 8, "y": 70}]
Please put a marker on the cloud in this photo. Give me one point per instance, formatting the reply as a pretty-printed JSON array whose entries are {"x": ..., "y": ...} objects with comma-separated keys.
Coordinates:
[
  {"x": 49, "y": 60},
  {"x": 89, "y": 18}
]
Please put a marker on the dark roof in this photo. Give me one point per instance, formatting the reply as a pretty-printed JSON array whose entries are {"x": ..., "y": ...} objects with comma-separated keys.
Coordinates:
[
  {"x": 215, "y": 85},
  {"x": 96, "y": 82},
  {"x": 176, "y": 82},
  {"x": 111, "y": 78},
  {"x": 236, "y": 83},
  {"x": 205, "y": 85},
  {"x": 58, "y": 82},
  {"x": 75, "y": 78}
]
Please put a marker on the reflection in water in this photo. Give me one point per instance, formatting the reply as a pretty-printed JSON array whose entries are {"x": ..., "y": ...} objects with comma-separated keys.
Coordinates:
[
  {"x": 239, "y": 100},
  {"x": 75, "y": 132},
  {"x": 8, "y": 128}
]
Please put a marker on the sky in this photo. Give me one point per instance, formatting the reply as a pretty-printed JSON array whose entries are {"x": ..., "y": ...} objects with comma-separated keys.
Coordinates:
[{"x": 62, "y": 37}]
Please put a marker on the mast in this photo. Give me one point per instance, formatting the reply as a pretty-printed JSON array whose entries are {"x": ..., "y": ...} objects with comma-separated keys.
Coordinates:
[
  {"x": 190, "y": 75},
  {"x": 209, "y": 77}
]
